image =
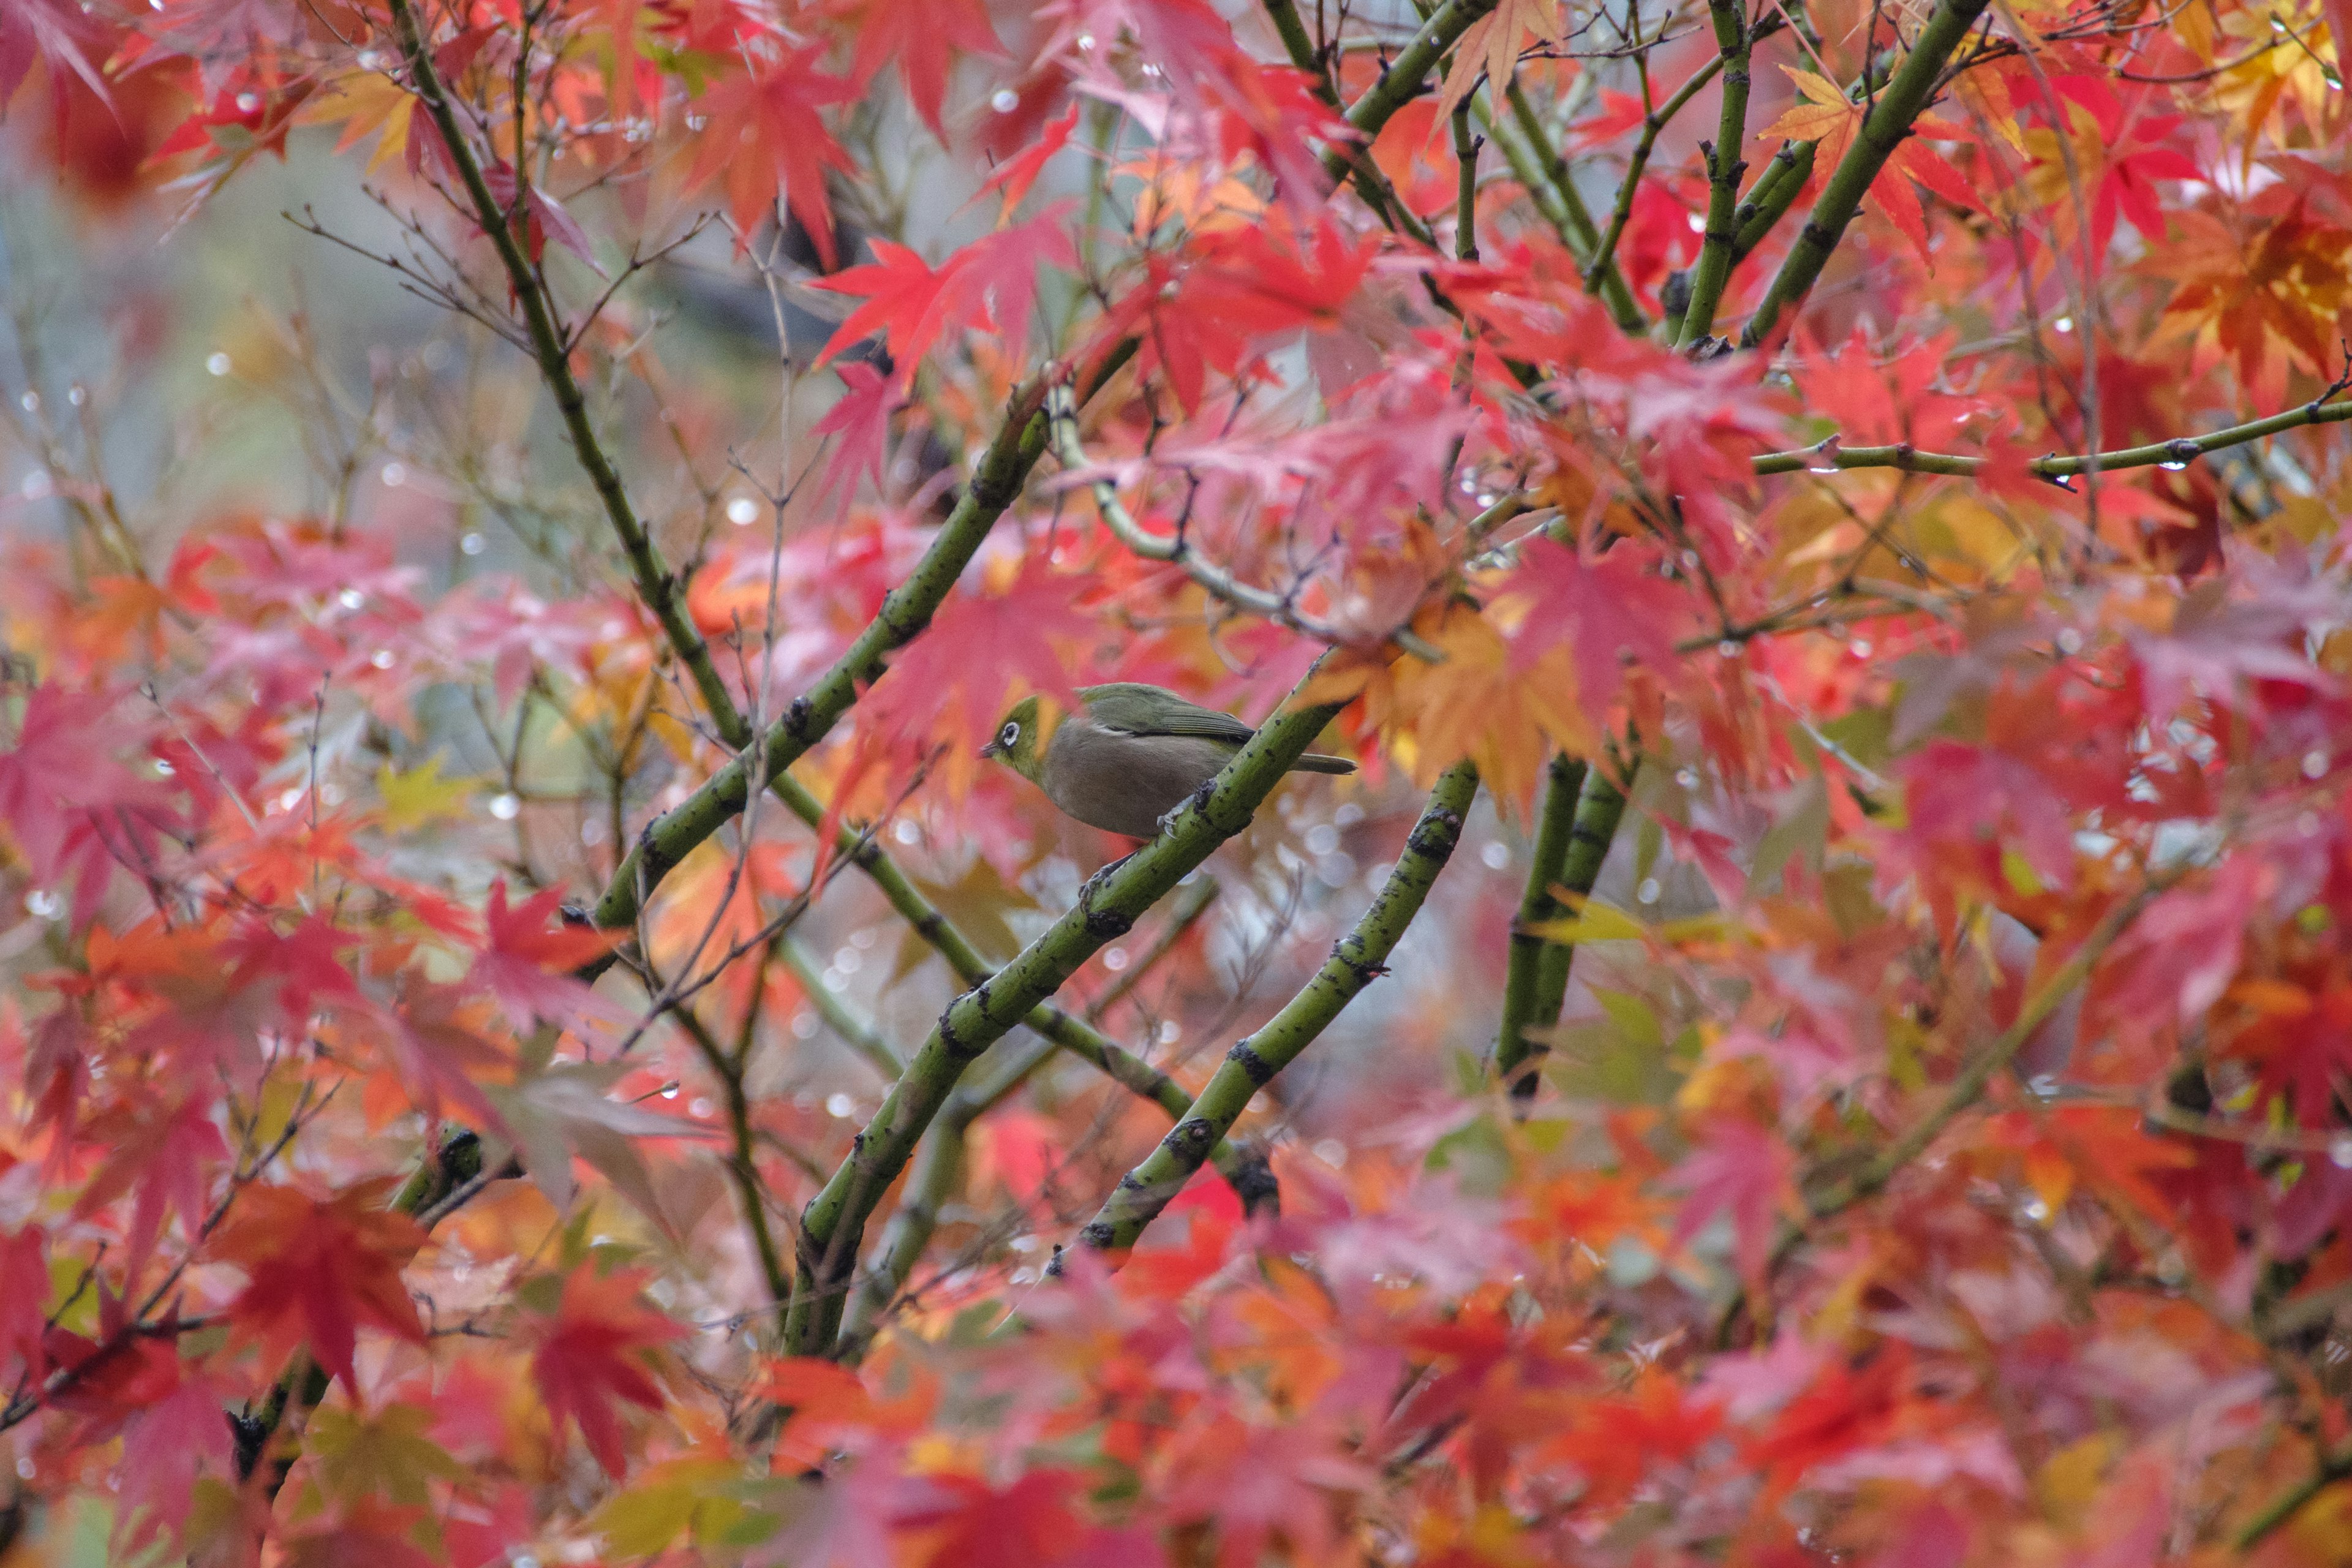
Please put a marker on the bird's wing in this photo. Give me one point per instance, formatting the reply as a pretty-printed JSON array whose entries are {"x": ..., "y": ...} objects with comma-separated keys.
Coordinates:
[{"x": 1134, "y": 708}]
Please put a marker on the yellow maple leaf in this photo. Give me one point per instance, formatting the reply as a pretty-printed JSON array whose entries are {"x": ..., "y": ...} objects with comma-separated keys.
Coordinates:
[
  {"x": 421, "y": 796},
  {"x": 364, "y": 103},
  {"x": 1827, "y": 116}
]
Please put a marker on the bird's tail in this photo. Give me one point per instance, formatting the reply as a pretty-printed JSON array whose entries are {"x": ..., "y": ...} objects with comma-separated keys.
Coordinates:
[{"x": 1312, "y": 762}]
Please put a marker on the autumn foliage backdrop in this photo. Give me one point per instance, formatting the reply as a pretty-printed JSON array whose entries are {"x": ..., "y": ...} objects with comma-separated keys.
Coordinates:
[{"x": 1820, "y": 1033}]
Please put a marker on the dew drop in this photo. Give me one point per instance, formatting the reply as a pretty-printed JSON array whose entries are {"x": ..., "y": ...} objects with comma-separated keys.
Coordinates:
[
  {"x": 2340, "y": 1153},
  {"x": 2173, "y": 468},
  {"x": 805, "y": 1024},
  {"x": 473, "y": 544},
  {"x": 840, "y": 1107},
  {"x": 31, "y": 402},
  {"x": 2064, "y": 323},
  {"x": 698, "y": 1107},
  {"x": 1322, "y": 838},
  {"x": 351, "y": 598},
  {"x": 1494, "y": 856},
  {"x": 246, "y": 103},
  {"x": 1727, "y": 648},
  {"x": 1331, "y": 1151},
  {"x": 1649, "y": 893},
  {"x": 163, "y": 767},
  {"x": 395, "y": 475},
  {"x": 382, "y": 659},
  {"x": 217, "y": 363},
  {"x": 742, "y": 511},
  {"x": 2314, "y": 764},
  {"x": 1170, "y": 1031},
  {"x": 43, "y": 904},
  {"x": 670, "y": 1091},
  {"x": 1004, "y": 101},
  {"x": 905, "y": 831},
  {"x": 2070, "y": 641},
  {"x": 506, "y": 806}
]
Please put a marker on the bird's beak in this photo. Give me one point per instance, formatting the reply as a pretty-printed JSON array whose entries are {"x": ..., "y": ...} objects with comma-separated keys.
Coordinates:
[{"x": 989, "y": 749}]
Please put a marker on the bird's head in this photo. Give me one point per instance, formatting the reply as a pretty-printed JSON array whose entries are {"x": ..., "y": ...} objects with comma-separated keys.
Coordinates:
[{"x": 1015, "y": 742}]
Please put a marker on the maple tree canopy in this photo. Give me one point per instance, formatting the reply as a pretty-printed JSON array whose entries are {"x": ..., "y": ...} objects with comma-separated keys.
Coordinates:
[{"x": 1817, "y": 1032}]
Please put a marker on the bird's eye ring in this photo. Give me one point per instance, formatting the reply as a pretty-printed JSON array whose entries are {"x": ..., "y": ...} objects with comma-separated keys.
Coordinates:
[{"x": 1009, "y": 734}]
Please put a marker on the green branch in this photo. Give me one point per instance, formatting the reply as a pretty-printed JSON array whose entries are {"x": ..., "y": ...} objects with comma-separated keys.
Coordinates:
[
  {"x": 1545, "y": 176},
  {"x": 660, "y": 590},
  {"x": 2180, "y": 452},
  {"x": 1540, "y": 973},
  {"x": 1605, "y": 256},
  {"x": 1400, "y": 83},
  {"x": 1536, "y": 906},
  {"x": 1883, "y": 128},
  {"x": 833, "y": 1221},
  {"x": 1774, "y": 194},
  {"x": 1354, "y": 963},
  {"x": 1724, "y": 166}
]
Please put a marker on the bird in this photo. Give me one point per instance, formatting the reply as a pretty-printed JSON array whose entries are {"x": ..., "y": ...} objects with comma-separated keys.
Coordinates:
[{"x": 1130, "y": 755}]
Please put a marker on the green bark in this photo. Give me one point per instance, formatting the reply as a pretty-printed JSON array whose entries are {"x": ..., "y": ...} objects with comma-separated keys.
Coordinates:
[
  {"x": 904, "y": 612},
  {"x": 1883, "y": 131},
  {"x": 1725, "y": 167},
  {"x": 1538, "y": 905},
  {"x": 1354, "y": 963},
  {"x": 1600, "y": 808},
  {"x": 1541, "y": 171},
  {"x": 833, "y": 1224}
]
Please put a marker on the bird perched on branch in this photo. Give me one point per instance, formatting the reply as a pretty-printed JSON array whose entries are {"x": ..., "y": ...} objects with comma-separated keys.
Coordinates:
[{"x": 1130, "y": 755}]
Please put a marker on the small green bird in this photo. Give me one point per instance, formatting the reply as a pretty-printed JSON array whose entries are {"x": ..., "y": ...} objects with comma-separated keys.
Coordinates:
[{"x": 1130, "y": 755}]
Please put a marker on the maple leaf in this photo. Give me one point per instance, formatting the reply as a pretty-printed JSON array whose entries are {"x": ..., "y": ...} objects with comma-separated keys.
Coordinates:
[
  {"x": 1013, "y": 177},
  {"x": 591, "y": 1354},
  {"x": 168, "y": 1446},
  {"x": 1028, "y": 1522},
  {"x": 564, "y": 1110},
  {"x": 24, "y": 1300},
  {"x": 45, "y": 31},
  {"x": 977, "y": 650},
  {"x": 1613, "y": 608},
  {"x": 1744, "y": 1170},
  {"x": 920, "y": 34},
  {"x": 421, "y": 796},
  {"x": 764, "y": 132},
  {"x": 2268, "y": 299},
  {"x": 860, "y": 423},
  {"x": 1491, "y": 46},
  {"x": 318, "y": 1270},
  {"x": 526, "y": 965},
  {"x": 169, "y": 1154},
  {"x": 902, "y": 304}
]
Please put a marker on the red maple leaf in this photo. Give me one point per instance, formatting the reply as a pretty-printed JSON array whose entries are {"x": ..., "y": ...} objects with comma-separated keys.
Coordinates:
[
  {"x": 168, "y": 1153},
  {"x": 902, "y": 297},
  {"x": 976, "y": 648},
  {"x": 24, "y": 1298},
  {"x": 318, "y": 1269},
  {"x": 1013, "y": 177},
  {"x": 592, "y": 1351},
  {"x": 526, "y": 963},
  {"x": 920, "y": 34},
  {"x": 1742, "y": 1170},
  {"x": 1025, "y": 1525},
  {"x": 764, "y": 132},
  {"x": 1610, "y": 609},
  {"x": 860, "y": 424}
]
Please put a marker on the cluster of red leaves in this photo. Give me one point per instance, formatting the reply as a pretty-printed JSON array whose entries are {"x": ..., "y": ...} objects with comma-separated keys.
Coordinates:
[{"x": 1968, "y": 1186}]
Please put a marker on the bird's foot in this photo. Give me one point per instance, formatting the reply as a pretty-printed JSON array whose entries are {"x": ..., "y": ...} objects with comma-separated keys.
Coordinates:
[{"x": 1199, "y": 797}]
